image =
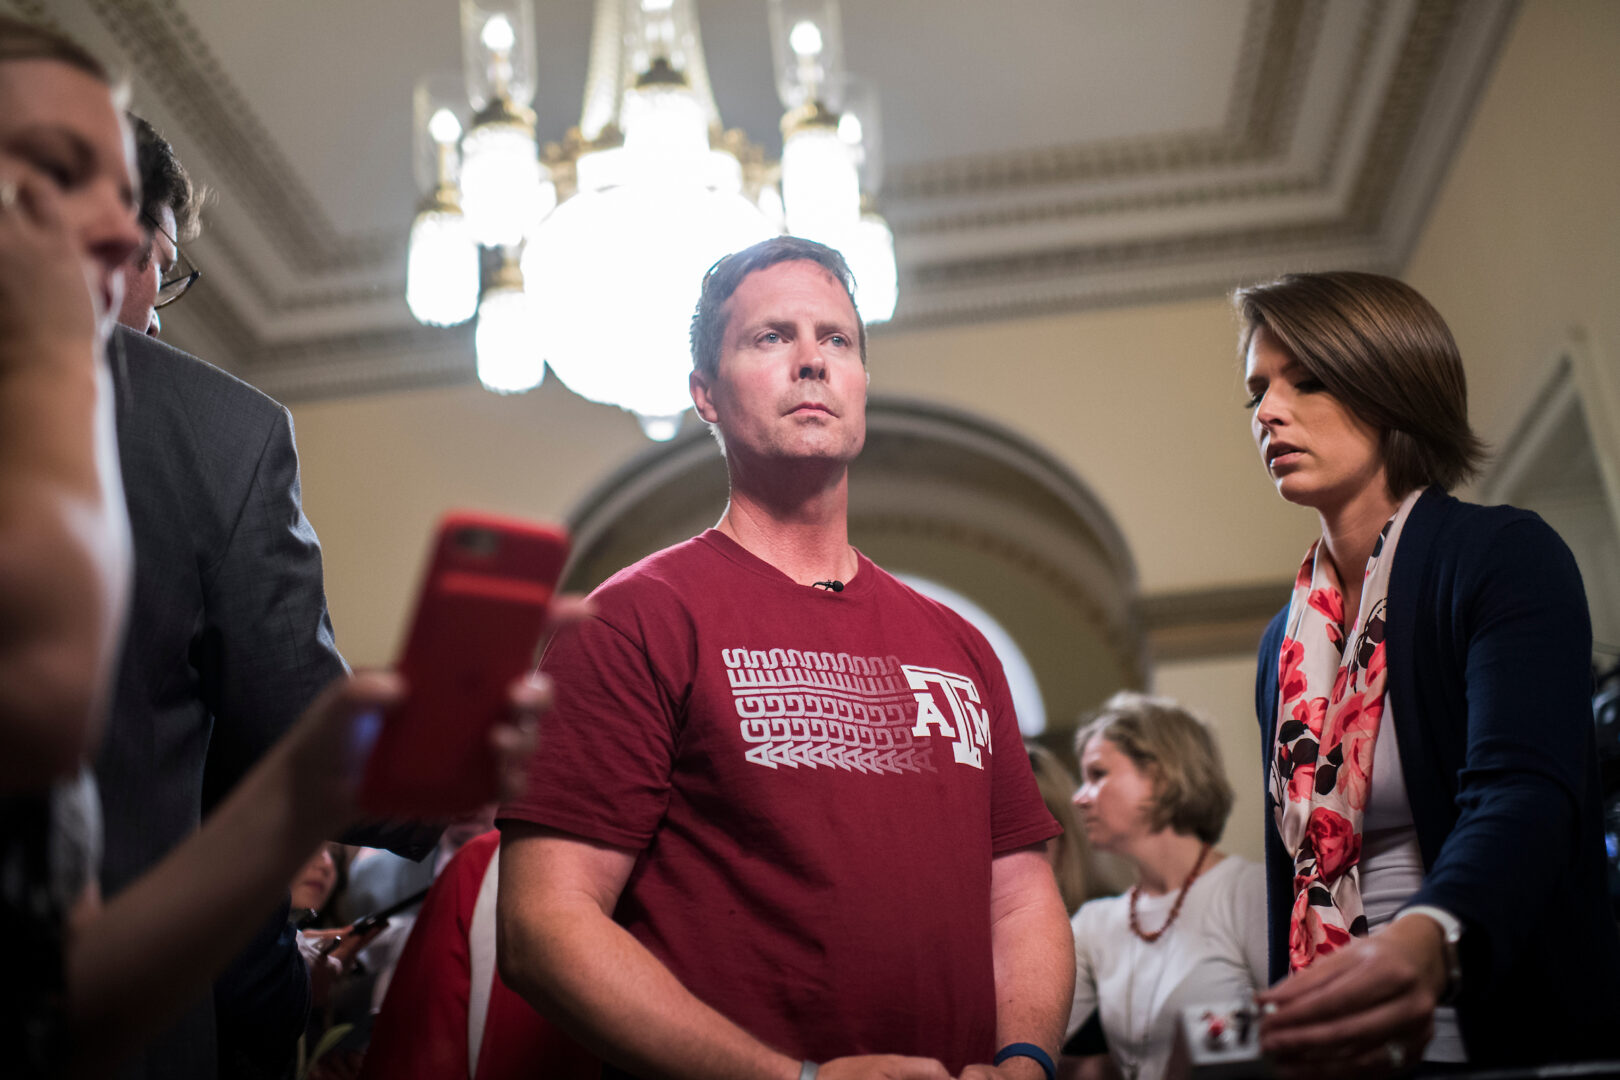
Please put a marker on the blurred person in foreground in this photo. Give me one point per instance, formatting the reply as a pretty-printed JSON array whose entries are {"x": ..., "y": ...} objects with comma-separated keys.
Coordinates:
[
  {"x": 1434, "y": 841},
  {"x": 1192, "y": 930},
  {"x": 232, "y": 639},
  {"x": 786, "y": 826},
  {"x": 88, "y": 982}
]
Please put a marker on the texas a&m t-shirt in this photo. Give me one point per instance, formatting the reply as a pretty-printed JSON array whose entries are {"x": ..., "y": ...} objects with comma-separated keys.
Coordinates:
[{"x": 816, "y": 783}]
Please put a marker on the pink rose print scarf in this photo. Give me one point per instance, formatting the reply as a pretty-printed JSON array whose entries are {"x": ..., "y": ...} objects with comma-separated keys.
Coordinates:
[{"x": 1330, "y": 700}]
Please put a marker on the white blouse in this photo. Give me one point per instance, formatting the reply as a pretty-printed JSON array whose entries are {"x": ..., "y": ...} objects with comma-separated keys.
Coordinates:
[{"x": 1214, "y": 953}]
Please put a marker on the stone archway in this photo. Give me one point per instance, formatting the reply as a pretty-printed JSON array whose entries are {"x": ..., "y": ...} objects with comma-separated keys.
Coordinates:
[{"x": 939, "y": 494}]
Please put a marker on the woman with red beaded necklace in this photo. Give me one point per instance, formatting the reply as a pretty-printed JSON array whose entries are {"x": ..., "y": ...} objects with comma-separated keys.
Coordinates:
[{"x": 1192, "y": 930}]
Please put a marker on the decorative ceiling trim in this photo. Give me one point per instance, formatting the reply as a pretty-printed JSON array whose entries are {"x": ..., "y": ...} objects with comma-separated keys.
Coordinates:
[
  {"x": 273, "y": 303},
  {"x": 1281, "y": 43},
  {"x": 1152, "y": 284},
  {"x": 1277, "y": 43},
  {"x": 1283, "y": 107},
  {"x": 1126, "y": 255},
  {"x": 1434, "y": 24},
  {"x": 1108, "y": 205},
  {"x": 196, "y": 89},
  {"x": 1386, "y": 155}
]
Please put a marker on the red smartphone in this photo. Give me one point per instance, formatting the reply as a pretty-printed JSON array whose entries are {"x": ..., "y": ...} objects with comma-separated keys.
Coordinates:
[{"x": 476, "y": 629}]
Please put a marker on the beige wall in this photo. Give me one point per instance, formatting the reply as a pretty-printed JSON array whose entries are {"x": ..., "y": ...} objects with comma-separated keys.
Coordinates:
[
  {"x": 379, "y": 470},
  {"x": 1145, "y": 404},
  {"x": 1222, "y": 692},
  {"x": 1142, "y": 403},
  {"x": 1523, "y": 243}
]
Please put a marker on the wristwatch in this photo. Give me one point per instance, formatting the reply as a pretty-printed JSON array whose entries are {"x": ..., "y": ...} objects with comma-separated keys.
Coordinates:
[{"x": 1452, "y": 930}]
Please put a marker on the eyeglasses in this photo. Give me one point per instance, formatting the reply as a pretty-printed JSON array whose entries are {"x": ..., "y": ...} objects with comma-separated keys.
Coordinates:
[{"x": 185, "y": 275}]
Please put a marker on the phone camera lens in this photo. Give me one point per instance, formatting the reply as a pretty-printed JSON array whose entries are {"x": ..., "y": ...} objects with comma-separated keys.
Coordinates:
[{"x": 481, "y": 542}]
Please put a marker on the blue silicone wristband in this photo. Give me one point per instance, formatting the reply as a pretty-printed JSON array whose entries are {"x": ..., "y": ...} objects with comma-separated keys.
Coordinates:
[{"x": 1029, "y": 1050}]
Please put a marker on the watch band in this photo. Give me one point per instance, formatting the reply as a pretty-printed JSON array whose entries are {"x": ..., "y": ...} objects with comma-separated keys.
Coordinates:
[{"x": 1031, "y": 1051}]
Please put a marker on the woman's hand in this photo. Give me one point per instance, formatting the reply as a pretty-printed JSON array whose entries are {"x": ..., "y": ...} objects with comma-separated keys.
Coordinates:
[{"x": 1365, "y": 1010}]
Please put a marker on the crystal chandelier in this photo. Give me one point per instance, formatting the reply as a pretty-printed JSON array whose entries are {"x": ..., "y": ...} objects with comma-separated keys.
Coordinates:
[{"x": 601, "y": 242}]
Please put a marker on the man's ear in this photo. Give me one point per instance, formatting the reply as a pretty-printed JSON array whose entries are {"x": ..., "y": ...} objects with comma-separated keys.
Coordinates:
[{"x": 698, "y": 383}]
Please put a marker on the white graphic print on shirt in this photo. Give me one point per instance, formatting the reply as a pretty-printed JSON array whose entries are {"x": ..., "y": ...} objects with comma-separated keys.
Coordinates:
[{"x": 863, "y": 714}]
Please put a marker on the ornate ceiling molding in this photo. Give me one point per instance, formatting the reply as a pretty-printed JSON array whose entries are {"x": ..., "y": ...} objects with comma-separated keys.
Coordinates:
[
  {"x": 1340, "y": 118},
  {"x": 1259, "y": 116},
  {"x": 174, "y": 62},
  {"x": 1278, "y": 39}
]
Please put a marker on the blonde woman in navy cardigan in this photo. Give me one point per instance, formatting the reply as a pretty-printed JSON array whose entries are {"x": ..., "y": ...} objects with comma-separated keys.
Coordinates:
[{"x": 1435, "y": 864}]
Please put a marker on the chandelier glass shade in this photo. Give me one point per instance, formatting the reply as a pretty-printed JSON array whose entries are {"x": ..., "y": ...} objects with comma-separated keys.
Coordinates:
[
  {"x": 441, "y": 268},
  {"x": 441, "y": 271},
  {"x": 807, "y": 50},
  {"x": 660, "y": 35},
  {"x": 497, "y": 51},
  {"x": 821, "y": 189},
  {"x": 869, "y": 250},
  {"x": 505, "y": 338},
  {"x": 615, "y": 229},
  {"x": 503, "y": 190},
  {"x": 615, "y": 276}
]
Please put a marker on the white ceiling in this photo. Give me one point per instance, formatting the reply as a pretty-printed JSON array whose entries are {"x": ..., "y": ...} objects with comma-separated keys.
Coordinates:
[{"x": 1042, "y": 155}]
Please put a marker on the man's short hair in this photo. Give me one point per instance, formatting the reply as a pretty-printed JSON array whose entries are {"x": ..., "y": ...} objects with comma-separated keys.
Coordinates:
[
  {"x": 1175, "y": 750},
  {"x": 24, "y": 41},
  {"x": 1387, "y": 355},
  {"x": 723, "y": 278},
  {"x": 164, "y": 181}
]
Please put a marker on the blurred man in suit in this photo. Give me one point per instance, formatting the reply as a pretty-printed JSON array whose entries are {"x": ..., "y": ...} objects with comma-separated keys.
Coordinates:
[{"x": 229, "y": 636}]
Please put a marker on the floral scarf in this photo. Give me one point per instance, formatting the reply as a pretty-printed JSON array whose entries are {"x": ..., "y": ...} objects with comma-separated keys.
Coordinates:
[{"x": 1330, "y": 699}]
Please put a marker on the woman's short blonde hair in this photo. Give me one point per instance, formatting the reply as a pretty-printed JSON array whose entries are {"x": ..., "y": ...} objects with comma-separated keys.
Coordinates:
[{"x": 1165, "y": 742}]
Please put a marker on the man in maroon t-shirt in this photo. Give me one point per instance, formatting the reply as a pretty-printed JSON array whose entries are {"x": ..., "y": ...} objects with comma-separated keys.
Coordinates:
[{"x": 782, "y": 815}]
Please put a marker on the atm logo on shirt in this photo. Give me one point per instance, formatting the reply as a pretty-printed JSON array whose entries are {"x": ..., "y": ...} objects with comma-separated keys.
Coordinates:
[
  {"x": 969, "y": 722},
  {"x": 867, "y": 714}
]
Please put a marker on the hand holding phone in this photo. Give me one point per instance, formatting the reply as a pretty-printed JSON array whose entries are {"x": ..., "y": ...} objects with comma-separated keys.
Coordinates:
[{"x": 476, "y": 629}]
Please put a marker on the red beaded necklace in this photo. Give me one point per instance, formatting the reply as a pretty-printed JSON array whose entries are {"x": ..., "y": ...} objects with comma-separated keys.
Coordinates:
[{"x": 1181, "y": 897}]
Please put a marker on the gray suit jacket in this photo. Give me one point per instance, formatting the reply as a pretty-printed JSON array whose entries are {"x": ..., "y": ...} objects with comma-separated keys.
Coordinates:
[
  {"x": 228, "y": 637},
  {"x": 228, "y": 642}
]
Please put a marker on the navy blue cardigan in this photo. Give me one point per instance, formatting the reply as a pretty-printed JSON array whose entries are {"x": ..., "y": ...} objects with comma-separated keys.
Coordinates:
[{"x": 1489, "y": 647}]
